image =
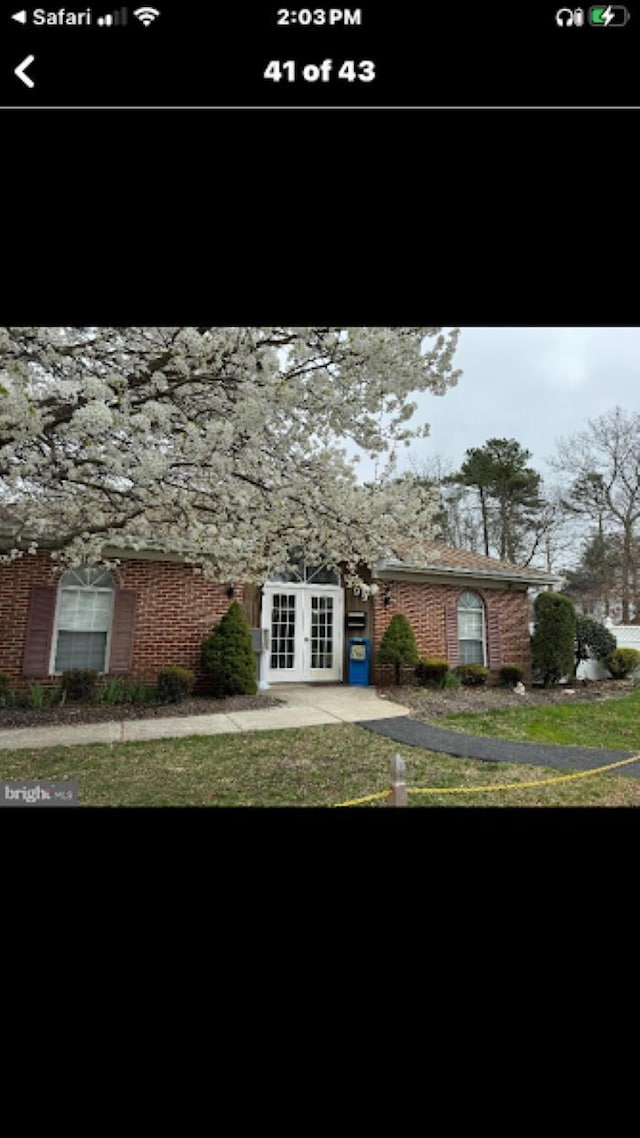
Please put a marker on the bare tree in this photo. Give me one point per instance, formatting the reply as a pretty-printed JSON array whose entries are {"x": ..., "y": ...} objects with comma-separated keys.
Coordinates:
[
  {"x": 601, "y": 468},
  {"x": 457, "y": 517}
]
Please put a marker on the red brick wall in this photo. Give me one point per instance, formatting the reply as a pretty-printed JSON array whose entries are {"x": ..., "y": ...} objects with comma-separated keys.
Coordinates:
[
  {"x": 424, "y": 605},
  {"x": 176, "y": 609}
]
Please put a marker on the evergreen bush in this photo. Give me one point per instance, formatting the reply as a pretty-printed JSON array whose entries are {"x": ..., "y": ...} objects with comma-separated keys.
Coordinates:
[
  {"x": 430, "y": 671},
  {"x": 227, "y": 654},
  {"x": 622, "y": 662},
  {"x": 79, "y": 685},
  {"x": 511, "y": 674},
  {"x": 592, "y": 640},
  {"x": 554, "y": 637},
  {"x": 398, "y": 645},
  {"x": 174, "y": 684},
  {"x": 471, "y": 675}
]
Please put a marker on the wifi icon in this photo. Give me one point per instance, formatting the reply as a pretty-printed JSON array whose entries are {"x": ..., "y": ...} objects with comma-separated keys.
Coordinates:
[{"x": 146, "y": 15}]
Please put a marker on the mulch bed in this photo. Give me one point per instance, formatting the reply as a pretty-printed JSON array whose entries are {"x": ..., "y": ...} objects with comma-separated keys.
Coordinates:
[
  {"x": 433, "y": 704},
  {"x": 11, "y": 717},
  {"x": 423, "y": 704}
]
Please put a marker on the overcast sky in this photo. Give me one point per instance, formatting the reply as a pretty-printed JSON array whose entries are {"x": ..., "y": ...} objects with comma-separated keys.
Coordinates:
[{"x": 531, "y": 384}]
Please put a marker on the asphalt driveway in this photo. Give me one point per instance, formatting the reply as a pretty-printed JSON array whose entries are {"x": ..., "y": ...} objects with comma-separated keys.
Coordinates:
[{"x": 414, "y": 733}]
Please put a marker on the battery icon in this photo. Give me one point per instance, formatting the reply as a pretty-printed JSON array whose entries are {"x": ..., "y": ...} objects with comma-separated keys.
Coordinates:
[{"x": 608, "y": 16}]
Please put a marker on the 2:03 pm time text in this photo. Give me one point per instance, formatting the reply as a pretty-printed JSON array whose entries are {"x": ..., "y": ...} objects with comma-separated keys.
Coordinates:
[{"x": 317, "y": 17}]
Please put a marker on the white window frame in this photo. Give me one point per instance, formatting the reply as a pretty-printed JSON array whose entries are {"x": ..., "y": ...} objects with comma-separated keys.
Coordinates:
[
  {"x": 309, "y": 573},
  {"x": 302, "y": 672},
  {"x": 472, "y": 593},
  {"x": 54, "y": 639}
]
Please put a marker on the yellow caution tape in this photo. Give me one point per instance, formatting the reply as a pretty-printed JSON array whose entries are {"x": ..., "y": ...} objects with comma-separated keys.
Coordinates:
[
  {"x": 369, "y": 798},
  {"x": 518, "y": 785},
  {"x": 495, "y": 787}
]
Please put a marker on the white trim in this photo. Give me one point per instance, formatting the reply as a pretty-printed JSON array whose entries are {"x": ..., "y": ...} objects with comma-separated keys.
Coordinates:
[
  {"x": 388, "y": 569},
  {"x": 484, "y": 626},
  {"x": 54, "y": 637},
  {"x": 303, "y": 673}
]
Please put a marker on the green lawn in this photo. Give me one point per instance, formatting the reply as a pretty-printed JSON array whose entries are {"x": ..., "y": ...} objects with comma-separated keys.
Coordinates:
[
  {"x": 612, "y": 723},
  {"x": 315, "y": 766}
]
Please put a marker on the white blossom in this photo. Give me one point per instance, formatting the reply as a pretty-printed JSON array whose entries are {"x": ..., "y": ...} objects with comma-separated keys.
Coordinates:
[
  {"x": 93, "y": 418},
  {"x": 225, "y": 444}
]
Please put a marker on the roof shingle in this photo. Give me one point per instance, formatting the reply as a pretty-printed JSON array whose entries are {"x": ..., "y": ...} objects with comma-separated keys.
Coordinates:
[{"x": 436, "y": 556}]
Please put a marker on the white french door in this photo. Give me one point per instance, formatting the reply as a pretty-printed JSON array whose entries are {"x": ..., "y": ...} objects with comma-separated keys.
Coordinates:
[{"x": 305, "y": 626}]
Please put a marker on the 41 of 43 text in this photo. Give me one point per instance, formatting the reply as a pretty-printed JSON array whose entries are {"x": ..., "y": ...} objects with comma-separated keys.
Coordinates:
[{"x": 350, "y": 70}]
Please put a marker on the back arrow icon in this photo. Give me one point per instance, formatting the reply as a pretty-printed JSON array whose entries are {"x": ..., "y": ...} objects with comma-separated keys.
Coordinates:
[{"x": 20, "y": 70}]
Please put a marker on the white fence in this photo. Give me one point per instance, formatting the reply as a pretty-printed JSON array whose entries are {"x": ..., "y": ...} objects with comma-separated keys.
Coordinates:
[{"x": 627, "y": 636}]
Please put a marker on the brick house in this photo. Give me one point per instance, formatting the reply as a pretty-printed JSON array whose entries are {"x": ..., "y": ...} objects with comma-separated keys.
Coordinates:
[
  {"x": 462, "y": 606},
  {"x": 154, "y": 609}
]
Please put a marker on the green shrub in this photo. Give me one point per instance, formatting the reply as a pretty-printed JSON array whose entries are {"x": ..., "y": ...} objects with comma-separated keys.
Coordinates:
[
  {"x": 37, "y": 695},
  {"x": 554, "y": 637},
  {"x": 227, "y": 654},
  {"x": 398, "y": 645},
  {"x": 137, "y": 692},
  {"x": 592, "y": 640},
  {"x": 450, "y": 680},
  {"x": 430, "y": 671},
  {"x": 174, "y": 684},
  {"x": 511, "y": 674},
  {"x": 622, "y": 662},
  {"x": 79, "y": 684},
  {"x": 118, "y": 690},
  {"x": 113, "y": 691},
  {"x": 472, "y": 675},
  {"x": 7, "y": 698}
]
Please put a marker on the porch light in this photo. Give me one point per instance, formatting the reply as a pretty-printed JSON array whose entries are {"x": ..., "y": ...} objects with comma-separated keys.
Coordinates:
[
  {"x": 231, "y": 590},
  {"x": 386, "y": 596}
]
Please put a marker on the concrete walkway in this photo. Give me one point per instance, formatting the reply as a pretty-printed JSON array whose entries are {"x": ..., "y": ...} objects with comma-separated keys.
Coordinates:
[
  {"x": 313, "y": 705},
  {"x": 305, "y": 705},
  {"x": 414, "y": 733}
]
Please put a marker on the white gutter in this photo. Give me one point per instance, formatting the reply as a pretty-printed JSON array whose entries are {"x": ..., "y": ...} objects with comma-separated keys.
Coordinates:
[{"x": 385, "y": 568}]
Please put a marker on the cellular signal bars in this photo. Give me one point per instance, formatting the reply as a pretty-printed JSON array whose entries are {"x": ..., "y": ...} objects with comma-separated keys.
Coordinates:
[{"x": 119, "y": 16}]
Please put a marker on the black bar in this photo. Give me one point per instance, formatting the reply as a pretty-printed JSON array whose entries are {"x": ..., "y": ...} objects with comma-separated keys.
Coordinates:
[{"x": 442, "y": 55}]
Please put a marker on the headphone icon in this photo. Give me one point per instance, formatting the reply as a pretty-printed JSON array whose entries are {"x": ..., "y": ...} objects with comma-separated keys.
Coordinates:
[{"x": 565, "y": 18}]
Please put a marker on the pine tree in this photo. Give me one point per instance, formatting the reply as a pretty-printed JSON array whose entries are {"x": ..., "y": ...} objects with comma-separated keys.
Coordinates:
[
  {"x": 228, "y": 655},
  {"x": 508, "y": 491}
]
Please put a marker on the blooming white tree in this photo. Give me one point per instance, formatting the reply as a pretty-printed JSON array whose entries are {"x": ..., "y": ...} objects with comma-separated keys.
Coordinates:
[{"x": 226, "y": 444}]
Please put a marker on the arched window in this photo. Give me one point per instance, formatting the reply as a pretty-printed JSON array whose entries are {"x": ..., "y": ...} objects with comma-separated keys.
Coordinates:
[
  {"x": 83, "y": 620},
  {"x": 304, "y": 574},
  {"x": 471, "y": 629}
]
